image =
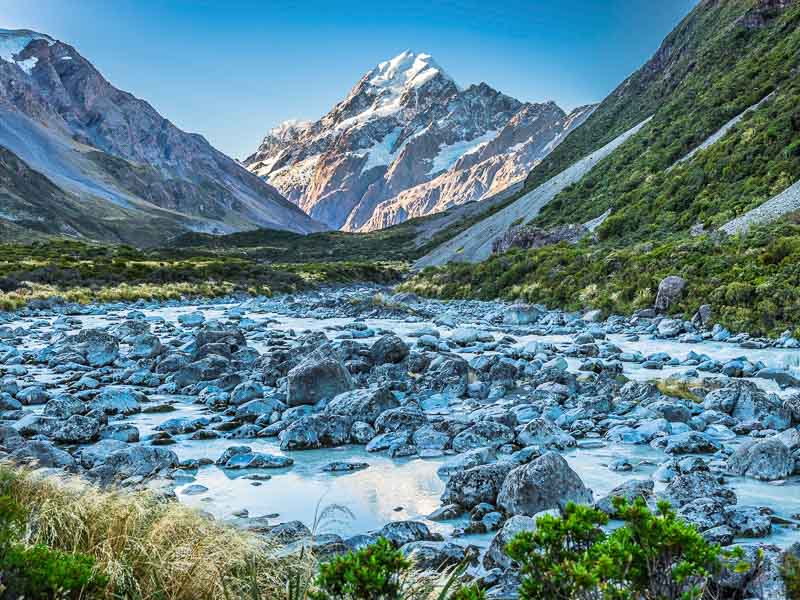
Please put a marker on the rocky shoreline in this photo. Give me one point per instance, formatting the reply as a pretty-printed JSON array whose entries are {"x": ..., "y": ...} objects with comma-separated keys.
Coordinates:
[{"x": 498, "y": 394}]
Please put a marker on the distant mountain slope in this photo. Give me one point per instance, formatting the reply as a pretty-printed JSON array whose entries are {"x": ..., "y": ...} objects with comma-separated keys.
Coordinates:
[
  {"x": 408, "y": 141},
  {"x": 63, "y": 119},
  {"x": 692, "y": 167}
]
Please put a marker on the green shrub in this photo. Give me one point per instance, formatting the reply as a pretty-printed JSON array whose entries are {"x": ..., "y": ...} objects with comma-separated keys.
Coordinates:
[
  {"x": 372, "y": 573},
  {"x": 653, "y": 555}
]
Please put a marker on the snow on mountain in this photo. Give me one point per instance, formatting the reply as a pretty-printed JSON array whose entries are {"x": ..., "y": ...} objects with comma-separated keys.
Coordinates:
[
  {"x": 406, "y": 125},
  {"x": 13, "y": 42}
]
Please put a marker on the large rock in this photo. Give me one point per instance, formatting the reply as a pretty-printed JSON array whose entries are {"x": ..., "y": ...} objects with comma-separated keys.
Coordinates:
[
  {"x": 482, "y": 483},
  {"x": 746, "y": 402},
  {"x": 388, "y": 349},
  {"x": 767, "y": 460},
  {"x": 629, "y": 490},
  {"x": 481, "y": 435},
  {"x": 496, "y": 552},
  {"x": 400, "y": 533},
  {"x": 433, "y": 556},
  {"x": 316, "y": 378},
  {"x": 145, "y": 345},
  {"x": 316, "y": 431},
  {"x": 669, "y": 291},
  {"x": 363, "y": 405},
  {"x": 98, "y": 347},
  {"x": 546, "y": 482},
  {"x": 118, "y": 400},
  {"x": 686, "y": 487},
  {"x": 137, "y": 463},
  {"x": 43, "y": 454},
  {"x": 522, "y": 314},
  {"x": 544, "y": 433},
  {"x": 78, "y": 429}
]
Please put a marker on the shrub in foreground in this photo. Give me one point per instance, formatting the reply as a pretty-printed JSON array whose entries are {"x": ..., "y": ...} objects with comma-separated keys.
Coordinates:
[{"x": 653, "y": 555}]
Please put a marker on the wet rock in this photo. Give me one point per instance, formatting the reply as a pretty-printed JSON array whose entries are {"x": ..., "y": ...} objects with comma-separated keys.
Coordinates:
[
  {"x": 400, "y": 533},
  {"x": 403, "y": 418},
  {"x": 121, "y": 432},
  {"x": 245, "y": 392},
  {"x": 686, "y": 487},
  {"x": 482, "y": 434},
  {"x": 78, "y": 429},
  {"x": 258, "y": 460},
  {"x": 316, "y": 431},
  {"x": 43, "y": 454},
  {"x": 145, "y": 346},
  {"x": 433, "y": 556},
  {"x": 544, "y": 433},
  {"x": 748, "y": 521},
  {"x": 690, "y": 442},
  {"x": 703, "y": 513},
  {"x": 316, "y": 378},
  {"x": 629, "y": 490},
  {"x": 364, "y": 404},
  {"x": 546, "y": 482},
  {"x": 64, "y": 406},
  {"x": 99, "y": 348},
  {"x": 522, "y": 314},
  {"x": 344, "y": 467},
  {"x": 134, "y": 462},
  {"x": 495, "y": 555},
  {"x": 481, "y": 483},
  {"x": 118, "y": 400},
  {"x": 767, "y": 460},
  {"x": 388, "y": 349}
]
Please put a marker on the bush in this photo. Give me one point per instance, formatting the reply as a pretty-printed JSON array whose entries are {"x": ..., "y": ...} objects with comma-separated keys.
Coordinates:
[
  {"x": 653, "y": 555},
  {"x": 374, "y": 572}
]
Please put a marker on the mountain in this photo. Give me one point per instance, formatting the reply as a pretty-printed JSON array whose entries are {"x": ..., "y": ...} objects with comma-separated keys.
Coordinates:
[
  {"x": 113, "y": 158},
  {"x": 407, "y": 141}
]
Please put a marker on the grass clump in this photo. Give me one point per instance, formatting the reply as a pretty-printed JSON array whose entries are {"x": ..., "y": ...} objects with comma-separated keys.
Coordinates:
[{"x": 145, "y": 547}]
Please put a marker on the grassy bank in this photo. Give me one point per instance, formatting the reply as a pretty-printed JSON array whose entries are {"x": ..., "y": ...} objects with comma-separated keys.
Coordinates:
[
  {"x": 81, "y": 272},
  {"x": 752, "y": 282}
]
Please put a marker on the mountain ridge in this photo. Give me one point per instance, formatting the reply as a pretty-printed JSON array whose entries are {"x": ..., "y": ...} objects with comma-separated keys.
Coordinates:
[
  {"x": 403, "y": 124},
  {"x": 60, "y": 116}
]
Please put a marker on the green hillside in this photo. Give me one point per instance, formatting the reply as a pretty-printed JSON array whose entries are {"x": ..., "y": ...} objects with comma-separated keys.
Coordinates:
[{"x": 722, "y": 59}]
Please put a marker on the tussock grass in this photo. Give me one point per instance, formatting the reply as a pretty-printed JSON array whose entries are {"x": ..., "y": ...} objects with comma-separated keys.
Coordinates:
[{"x": 152, "y": 548}]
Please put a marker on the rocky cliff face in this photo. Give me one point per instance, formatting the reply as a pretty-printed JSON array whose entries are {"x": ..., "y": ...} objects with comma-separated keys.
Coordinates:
[
  {"x": 61, "y": 116},
  {"x": 407, "y": 141}
]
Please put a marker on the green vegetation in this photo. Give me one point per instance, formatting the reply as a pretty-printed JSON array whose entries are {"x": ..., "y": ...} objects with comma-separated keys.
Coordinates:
[
  {"x": 653, "y": 555},
  {"x": 82, "y": 272},
  {"x": 752, "y": 282},
  {"x": 36, "y": 571}
]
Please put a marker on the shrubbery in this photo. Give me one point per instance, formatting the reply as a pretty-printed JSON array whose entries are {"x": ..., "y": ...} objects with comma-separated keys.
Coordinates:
[
  {"x": 653, "y": 555},
  {"x": 752, "y": 282}
]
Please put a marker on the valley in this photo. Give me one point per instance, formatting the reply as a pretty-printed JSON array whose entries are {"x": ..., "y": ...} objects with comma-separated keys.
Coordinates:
[{"x": 438, "y": 328}]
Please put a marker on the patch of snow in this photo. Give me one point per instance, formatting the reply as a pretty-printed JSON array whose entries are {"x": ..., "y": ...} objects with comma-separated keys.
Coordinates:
[
  {"x": 381, "y": 154},
  {"x": 12, "y": 42},
  {"x": 297, "y": 174},
  {"x": 450, "y": 153}
]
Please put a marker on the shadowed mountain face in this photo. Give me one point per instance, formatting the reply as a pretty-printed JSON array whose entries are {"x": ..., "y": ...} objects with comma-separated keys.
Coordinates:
[
  {"x": 61, "y": 117},
  {"x": 407, "y": 141}
]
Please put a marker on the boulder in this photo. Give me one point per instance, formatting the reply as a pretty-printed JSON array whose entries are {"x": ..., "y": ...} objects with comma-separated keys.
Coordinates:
[
  {"x": 316, "y": 431},
  {"x": 316, "y": 378},
  {"x": 495, "y": 555},
  {"x": 629, "y": 490},
  {"x": 364, "y": 404},
  {"x": 388, "y": 349},
  {"x": 522, "y": 314},
  {"x": 134, "y": 462},
  {"x": 546, "y": 434},
  {"x": 43, "y": 454},
  {"x": 767, "y": 459},
  {"x": 686, "y": 487},
  {"x": 118, "y": 400},
  {"x": 433, "y": 556},
  {"x": 481, "y": 483},
  {"x": 78, "y": 429},
  {"x": 546, "y": 482},
  {"x": 669, "y": 291},
  {"x": 400, "y": 533}
]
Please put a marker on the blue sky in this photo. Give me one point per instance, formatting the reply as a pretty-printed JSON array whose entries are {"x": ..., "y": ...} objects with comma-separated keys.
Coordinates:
[{"x": 232, "y": 69}]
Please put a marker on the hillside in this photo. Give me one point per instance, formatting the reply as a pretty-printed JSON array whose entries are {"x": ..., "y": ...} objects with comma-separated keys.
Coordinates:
[{"x": 721, "y": 95}]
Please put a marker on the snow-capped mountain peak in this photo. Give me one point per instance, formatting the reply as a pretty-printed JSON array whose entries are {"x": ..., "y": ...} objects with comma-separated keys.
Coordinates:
[
  {"x": 403, "y": 126},
  {"x": 405, "y": 70}
]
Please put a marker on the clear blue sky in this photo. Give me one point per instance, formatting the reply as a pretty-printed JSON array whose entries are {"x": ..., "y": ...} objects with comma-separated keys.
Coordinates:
[{"x": 231, "y": 69}]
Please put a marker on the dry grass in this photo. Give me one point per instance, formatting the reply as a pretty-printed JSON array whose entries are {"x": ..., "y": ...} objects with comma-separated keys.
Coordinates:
[{"x": 152, "y": 548}]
